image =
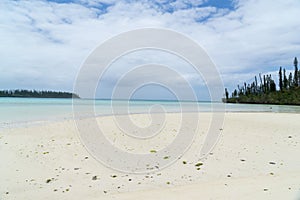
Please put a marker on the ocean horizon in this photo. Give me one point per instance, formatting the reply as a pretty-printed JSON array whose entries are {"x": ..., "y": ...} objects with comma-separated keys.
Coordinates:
[{"x": 21, "y": 111}]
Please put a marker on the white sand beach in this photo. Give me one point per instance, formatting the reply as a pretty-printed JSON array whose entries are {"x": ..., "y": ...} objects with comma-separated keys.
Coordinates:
[{"x": 257, "y": 157}]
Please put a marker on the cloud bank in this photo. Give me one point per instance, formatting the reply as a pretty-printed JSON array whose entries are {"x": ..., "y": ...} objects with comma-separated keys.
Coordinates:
[{"x": 43, "y": 43}]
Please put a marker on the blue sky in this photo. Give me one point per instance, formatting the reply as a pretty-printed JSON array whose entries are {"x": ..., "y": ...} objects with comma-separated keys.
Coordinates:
[{"x": 44, "y": 43}]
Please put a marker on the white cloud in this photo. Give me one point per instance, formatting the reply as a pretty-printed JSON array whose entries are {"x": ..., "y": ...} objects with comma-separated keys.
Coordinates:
[{"x": 44, "y": 43}]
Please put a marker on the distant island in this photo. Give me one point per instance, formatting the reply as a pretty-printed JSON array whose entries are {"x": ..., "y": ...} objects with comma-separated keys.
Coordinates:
[
  {"x": 265, "y": 92},
  {"x": 36, "y": 94}
]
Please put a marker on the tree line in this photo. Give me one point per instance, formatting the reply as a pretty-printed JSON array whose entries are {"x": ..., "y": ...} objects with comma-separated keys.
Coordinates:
[
  {"x": 263, "y": 89},
  {"x": 36, "y": 94}
]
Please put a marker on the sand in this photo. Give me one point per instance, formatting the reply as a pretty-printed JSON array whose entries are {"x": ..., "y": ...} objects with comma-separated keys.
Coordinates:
[{"x": 257, "y": 157}]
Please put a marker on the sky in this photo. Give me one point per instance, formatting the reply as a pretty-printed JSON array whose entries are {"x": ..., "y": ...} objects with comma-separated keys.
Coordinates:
[{"x": 43, "y": 44}]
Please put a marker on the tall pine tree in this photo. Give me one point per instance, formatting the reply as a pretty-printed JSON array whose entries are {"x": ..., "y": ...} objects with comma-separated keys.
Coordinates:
[
  {"x": 280, "y": 79},
  {"x": 290, "y": 80},
  {"x": 285, "y": 80},
  {"x": 296, "y": 72}
]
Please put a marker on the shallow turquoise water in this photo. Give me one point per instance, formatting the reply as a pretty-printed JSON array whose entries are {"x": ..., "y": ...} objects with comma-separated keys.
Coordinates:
[{"x": 22, "y": 110}]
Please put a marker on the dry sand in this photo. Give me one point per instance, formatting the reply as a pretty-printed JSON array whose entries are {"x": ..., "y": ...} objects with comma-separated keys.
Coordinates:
[{"x": 257, "y": 157}]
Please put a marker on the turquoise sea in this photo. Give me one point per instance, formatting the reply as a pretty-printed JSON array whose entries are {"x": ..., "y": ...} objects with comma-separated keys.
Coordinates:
[{"x": 18, "y": 111}]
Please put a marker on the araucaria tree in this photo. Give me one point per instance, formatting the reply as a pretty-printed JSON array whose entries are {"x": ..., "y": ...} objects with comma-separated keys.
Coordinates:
[
  {"x": 226, "y": 93},
  {"x": 280, "y": 79},
  {"x": 285, "y": 80},
  {"x": 296, "y": 81},
  {"x": 265, "y": 90},
  {"x": 290, "y": 80}
]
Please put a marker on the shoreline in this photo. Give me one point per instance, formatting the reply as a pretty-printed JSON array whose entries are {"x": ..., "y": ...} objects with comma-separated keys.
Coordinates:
[
  {"x": 257, "y": 103},
  {"x": 238, "y": 166},
  {"x": 33, "y": 122}
]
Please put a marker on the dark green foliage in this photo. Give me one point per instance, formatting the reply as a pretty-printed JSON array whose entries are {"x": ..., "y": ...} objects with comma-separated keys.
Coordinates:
[
  {"x": 234, "y": 94},
  {"x": 290, "y": 80},
  {"x": 36, "y": 94},
  {"x": 265, "y": 84},
  {"x": 226, "y": 93},
  {"x": 285, "y": 80},
  {"x": 280, "y": 79},
  {"x": 272, "y": 86},
  {"x": 286, "y": 97},
  {"x": 296, "y": 79},
  {"x": 265, "y": 93}
]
